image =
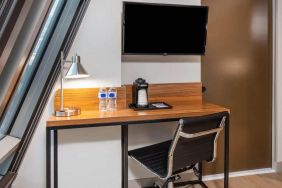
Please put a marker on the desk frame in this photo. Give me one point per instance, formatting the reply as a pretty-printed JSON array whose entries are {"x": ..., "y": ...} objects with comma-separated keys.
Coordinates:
[{"x": 52, "y": 137}]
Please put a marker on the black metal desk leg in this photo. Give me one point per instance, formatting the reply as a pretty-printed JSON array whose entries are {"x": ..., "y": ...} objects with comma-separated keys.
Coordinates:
[
  {"x": 124, "y": 158},
  {"x": 200, "y": 171},
  {"x": 226, "y": 154},
  {"x": 55, "y": 158},
  {"x": 48, "y": 158}
]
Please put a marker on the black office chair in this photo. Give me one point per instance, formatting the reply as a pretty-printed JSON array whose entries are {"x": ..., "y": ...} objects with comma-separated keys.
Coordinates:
[{"x": 195, "y": 141}]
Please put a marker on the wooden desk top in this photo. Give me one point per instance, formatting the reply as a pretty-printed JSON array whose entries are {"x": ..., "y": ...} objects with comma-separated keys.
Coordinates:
[
  {"x": 180, "y": 109},
  {"x": 186, "y": 99}
]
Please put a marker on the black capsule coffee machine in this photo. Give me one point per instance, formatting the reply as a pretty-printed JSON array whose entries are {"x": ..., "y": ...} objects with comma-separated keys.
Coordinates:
[{"x": 140, "y": 93}]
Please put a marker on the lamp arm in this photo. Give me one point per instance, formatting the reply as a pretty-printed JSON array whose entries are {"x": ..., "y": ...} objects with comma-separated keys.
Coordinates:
[
  {"x": 66, "y": 112},
  {"x": 62, "y": 83},
  {"x": 63, "y": 61}
]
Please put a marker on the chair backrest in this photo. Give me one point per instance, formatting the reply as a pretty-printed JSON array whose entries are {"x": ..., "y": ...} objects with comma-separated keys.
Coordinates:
[{"x": 195, "y": 140}]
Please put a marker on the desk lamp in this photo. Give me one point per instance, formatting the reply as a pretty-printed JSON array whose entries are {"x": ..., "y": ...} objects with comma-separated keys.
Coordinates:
[{"x": 75, "y": 70}]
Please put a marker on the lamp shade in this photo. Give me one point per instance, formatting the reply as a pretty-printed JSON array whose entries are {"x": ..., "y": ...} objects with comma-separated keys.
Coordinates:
[{"x": 76, "y": 70}]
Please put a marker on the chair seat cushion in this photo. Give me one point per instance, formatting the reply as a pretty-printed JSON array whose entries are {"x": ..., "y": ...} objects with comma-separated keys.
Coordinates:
[{"x": 154, "y": 157}]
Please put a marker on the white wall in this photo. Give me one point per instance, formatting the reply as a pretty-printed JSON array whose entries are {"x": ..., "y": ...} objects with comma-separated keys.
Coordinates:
[
  {"x": 90, "y": 157},
  {"x": 32, "y": 171},
  {"x": 159, "y": 69},
  {"x": 278, "y": 83}
]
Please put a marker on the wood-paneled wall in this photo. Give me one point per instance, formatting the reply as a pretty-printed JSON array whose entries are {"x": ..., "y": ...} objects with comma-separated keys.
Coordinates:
[
  {"x": 87, "y": 98},
  {"x": 237, "y": 72}
]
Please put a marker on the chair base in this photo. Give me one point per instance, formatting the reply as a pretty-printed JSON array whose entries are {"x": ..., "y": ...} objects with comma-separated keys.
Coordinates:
[
  {"x": 195, "y": 182},
  {"x": 182, "y": 184}
]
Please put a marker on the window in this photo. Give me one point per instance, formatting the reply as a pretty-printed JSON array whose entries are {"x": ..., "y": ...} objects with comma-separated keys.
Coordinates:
[
  {"x": 30, "y": 68},
  {"x": 39, "y": 75}
]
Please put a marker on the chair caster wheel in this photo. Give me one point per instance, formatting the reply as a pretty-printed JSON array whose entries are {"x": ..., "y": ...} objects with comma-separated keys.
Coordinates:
[
  {"x": 156, "y": 186},
  {"x": 170, "y": 185}
]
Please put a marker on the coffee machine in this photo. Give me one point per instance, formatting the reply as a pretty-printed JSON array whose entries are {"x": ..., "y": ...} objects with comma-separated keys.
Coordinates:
[{"x": 140, "y": 93}]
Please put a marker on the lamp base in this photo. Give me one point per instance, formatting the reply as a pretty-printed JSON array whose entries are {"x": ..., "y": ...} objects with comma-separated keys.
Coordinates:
[{"x": 67, "y": 112}]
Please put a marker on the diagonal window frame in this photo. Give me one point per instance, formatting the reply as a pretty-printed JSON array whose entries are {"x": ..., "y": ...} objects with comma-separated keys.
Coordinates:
[
  {"x": 20, "y": 35},
  {"x": 33, "y": 62}
]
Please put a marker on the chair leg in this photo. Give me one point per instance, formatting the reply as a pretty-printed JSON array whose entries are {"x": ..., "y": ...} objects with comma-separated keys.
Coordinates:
[
  {"x": 170, "y": 185},
  {"x": 165, "y": 185},
  {"x": 203, "y": 185}
]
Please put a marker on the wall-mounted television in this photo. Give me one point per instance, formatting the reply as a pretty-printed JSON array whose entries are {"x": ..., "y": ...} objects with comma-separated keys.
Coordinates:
[{"x": 153, "y": 29}]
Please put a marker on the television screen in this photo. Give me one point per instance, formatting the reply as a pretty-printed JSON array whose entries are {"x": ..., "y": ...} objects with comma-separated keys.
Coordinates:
[{"x": 164, "y": 29}]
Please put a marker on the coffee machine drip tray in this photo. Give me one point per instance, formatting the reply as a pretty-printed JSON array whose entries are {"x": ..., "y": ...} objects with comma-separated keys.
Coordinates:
[{"x": 151, "y": 106}]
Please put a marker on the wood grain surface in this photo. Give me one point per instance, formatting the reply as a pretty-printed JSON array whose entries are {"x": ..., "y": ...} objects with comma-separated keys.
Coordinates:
[
  {"x": 186, "y": 100},
  {"x": 171, "y": 92},
  {"x": 180, "y": 109},
  {"x": 86, "y": 98},
  {"x": 255, "y": 181}
]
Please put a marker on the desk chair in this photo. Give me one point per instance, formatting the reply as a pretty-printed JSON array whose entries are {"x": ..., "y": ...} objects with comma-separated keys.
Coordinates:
[{"x": 195, "y": 141}]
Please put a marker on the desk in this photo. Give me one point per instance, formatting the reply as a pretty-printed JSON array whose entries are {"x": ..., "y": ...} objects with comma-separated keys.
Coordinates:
[{"x": 125, "y": 117}]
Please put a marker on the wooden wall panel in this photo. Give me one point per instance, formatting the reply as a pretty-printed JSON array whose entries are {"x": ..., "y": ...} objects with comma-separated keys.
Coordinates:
[
  {"x": 171, "y": 92},
  {"x": 86, "y": 98},
  {"x": 237, "y": 72}
]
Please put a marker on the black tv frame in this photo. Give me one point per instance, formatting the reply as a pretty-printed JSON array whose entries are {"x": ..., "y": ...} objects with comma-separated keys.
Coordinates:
[{"x": 160, "y": 4}]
